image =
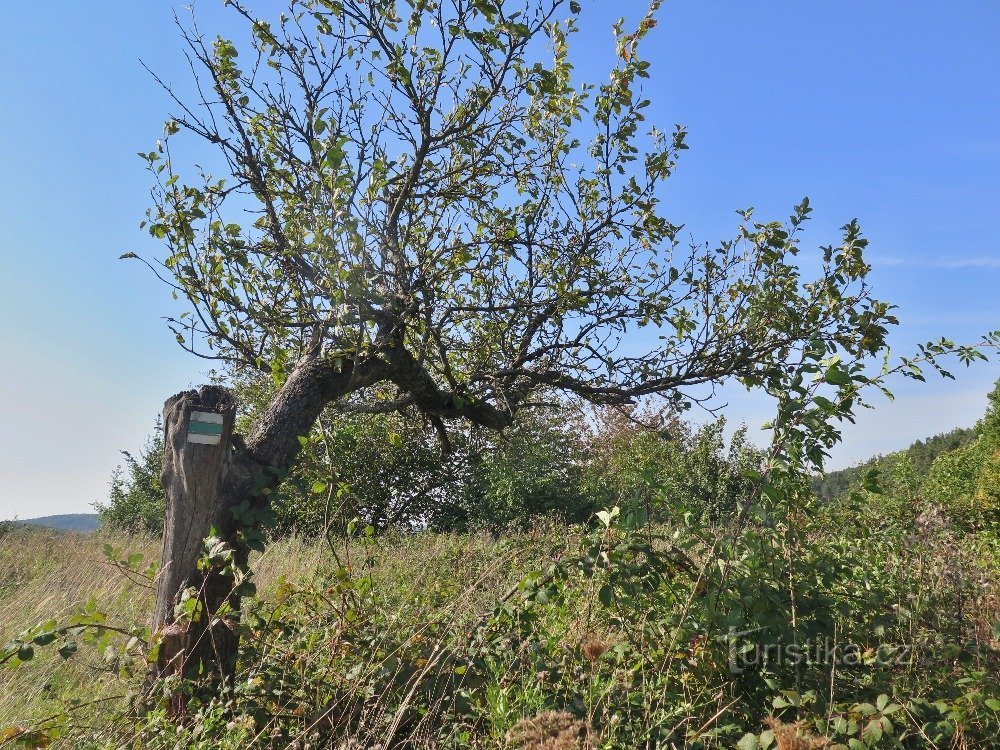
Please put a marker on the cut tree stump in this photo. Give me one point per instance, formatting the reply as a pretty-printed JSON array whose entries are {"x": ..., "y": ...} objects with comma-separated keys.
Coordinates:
[{"x": 205, "y": 475}]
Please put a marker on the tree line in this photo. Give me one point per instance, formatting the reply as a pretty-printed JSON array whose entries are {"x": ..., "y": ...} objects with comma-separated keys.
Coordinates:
[{"x": 392, "y": 471}]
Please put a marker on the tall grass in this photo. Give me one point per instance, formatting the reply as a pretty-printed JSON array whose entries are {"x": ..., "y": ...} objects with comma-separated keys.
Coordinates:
[
  {"x": 557, "y": 638},
  {"x": 46, "y": 574}
]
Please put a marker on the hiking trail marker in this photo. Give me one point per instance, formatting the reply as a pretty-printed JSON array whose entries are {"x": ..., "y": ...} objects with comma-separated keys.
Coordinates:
[{"x": 205, "y": 427}]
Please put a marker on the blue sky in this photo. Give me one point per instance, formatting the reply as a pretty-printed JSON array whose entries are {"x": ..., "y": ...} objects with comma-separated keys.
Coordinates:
[{"x": 889, "y": 112}]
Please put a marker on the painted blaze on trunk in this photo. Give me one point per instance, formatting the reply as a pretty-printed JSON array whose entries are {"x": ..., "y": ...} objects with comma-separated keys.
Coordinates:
[{"x": 205, "y": 428}]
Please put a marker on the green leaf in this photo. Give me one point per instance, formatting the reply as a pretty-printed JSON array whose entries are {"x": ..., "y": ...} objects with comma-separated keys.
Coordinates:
[
  {"x": 748, "y": 742},
  {"x": 873, "y": 732},
  {"x": 605, "y": 595},
  {"x": 44, "y": 639},
  {"x": 248, "y": 588},
  {"x": 837, "y": 376}
]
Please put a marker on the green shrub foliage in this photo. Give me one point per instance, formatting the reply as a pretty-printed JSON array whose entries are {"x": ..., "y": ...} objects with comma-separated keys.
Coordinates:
[
  {"x": 135, "y": 496},
  {"x": 563, "y": 461}
]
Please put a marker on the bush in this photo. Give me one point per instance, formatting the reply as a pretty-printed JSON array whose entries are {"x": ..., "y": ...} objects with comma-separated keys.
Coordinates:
[
  {"x": 135, "y": 498},
  {"x": 648, "y": 460}
]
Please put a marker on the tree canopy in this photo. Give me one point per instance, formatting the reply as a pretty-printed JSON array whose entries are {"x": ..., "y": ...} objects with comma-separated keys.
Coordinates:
[
  {"x": 421, "y": 208},
  {"x": 443, "y": 218}
]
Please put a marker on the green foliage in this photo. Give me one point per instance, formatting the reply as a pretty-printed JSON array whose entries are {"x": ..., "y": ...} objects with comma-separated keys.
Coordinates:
[
  {"x": 649, "y": 460},
  {"x": 852, "y": 626},
  {"x": 861, "y": 629},
  {"x": 135, "y": 497},
  {"x": 381, "y": 468},
  {"x": 562, "y": 461},
  {"x": 958, "y": 470},
  {"x": 923, "y": 452},
  {"x": 986, "y": 497},
  {"x": 954, "y": 478},
  {"x": 920, "y": 455},
  {"x": 397, "y": 471},
  {"x": 88, "y": 625},
  {"x": 989, "y": 426},
  {"x": 530, "y": 470}
]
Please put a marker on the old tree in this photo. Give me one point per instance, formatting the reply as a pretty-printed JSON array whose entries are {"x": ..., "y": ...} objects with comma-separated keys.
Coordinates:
[{"x": 419, "y": 208}]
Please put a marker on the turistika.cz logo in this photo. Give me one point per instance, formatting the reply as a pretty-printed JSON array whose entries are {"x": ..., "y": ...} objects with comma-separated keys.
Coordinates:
[{"x": 747, "y": 654}]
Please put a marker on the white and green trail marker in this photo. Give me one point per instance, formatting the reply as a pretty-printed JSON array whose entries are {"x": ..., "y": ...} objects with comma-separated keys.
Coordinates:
[{"x": 205, "y": 427}]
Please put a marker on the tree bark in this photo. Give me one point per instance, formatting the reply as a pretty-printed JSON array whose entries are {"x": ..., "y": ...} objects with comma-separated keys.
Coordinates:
[
  {"x": 199, "y": 482},
  {"x": 204, "y": 483}
]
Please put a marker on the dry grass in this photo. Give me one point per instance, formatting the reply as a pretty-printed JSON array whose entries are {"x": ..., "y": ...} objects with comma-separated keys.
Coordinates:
[
  {"x": 795, "y": 736},
  {"x": 549, "y": 730},
  {"x": 48, "y": 575}
]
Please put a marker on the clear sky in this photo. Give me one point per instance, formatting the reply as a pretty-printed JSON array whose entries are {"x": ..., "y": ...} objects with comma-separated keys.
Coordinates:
[{"x": 889, "y": 112}]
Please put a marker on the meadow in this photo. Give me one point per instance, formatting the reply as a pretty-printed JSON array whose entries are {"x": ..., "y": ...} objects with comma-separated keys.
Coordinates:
[{"x": 852, "y": 628}]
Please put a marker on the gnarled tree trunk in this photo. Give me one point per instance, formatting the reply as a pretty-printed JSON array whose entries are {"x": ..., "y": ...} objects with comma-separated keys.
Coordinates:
[
  {"x": 203, "y": 476},
  {"x": 208, "y": 471}
]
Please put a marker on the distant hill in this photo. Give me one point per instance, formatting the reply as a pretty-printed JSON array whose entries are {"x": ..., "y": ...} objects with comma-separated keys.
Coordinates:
[
  {"x": 81, "y": 522},
  {"x": 922, "y": 453}
]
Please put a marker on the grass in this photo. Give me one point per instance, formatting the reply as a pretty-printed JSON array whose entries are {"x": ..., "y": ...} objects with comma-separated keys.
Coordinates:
[
  {"x": 46, "y": 574},
  {"x": 594, "y": 637}
]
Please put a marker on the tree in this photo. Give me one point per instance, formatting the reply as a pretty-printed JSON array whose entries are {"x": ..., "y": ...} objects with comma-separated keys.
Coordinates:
[
  {"x": 953, "y": 478},
  {"x": 909, "y": 465},
  {"x": 386, "y": 469},
  {"x": 135, "y": 497},
  {"x": 443, "y": 219},
  {"x": 533, "y": 468},
  {"x": 392, "y": 470},
  {"x": 648, "y": 460},
  {"x": 987, "y": 492}
]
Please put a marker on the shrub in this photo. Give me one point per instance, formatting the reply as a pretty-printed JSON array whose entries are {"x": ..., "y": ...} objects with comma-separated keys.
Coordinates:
[{"x": 135, "y": 497}]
